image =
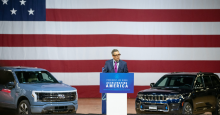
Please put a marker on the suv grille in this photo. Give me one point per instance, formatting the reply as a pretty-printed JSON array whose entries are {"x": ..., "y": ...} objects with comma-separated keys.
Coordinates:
[
  {"x": 56, "y": 97},
  {"x": 155, "y": 97}
]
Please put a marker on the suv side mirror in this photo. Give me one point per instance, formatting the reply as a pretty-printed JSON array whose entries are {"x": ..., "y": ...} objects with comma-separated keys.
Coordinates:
[
  {"x": 60, "y": 81},
  {"x": 152, "y": 84},
  {"x": 198, "y": 85},
  {"x": 11, "y": 85}
]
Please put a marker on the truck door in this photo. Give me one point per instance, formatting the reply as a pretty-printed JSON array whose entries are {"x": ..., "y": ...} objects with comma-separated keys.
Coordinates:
[{"x": 7, "y": 94}]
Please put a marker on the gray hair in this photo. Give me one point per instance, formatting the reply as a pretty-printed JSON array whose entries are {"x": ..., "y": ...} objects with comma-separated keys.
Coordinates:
[{"x": 114, "y": 50}]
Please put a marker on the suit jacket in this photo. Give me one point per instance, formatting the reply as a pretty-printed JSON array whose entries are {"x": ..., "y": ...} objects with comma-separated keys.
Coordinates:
[{"x": 109, "y": 68}]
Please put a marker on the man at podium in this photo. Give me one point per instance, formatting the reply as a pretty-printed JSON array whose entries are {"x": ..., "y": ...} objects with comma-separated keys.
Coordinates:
[{"x": 115, "y": 65}]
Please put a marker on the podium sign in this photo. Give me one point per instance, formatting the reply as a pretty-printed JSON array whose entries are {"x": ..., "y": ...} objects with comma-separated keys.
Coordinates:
[{"x": 116, "y": 82}]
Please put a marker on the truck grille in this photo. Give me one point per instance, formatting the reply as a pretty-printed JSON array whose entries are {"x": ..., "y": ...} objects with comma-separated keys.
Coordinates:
[
  {"x": 155, "y": 97},
  {"x": 56, "y": 97}
]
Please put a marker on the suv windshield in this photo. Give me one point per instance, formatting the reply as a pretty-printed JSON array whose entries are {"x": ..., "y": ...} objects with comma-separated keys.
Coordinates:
[
  {"x": 175, "y": 81},
  {"x": 35, "y": 77}
]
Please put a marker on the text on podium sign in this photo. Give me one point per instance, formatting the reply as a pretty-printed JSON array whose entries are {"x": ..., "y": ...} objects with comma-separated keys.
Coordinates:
[{"x": 116, "y": 82}]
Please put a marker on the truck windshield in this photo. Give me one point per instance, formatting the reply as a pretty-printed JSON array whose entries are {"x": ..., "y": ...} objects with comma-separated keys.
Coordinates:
[
  {"x": 35, "y": 77},
  {"x": 175, "y": 82}
]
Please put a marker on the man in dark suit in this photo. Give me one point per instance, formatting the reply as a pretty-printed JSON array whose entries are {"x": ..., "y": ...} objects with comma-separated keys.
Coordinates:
[{"x": 115, "y": 65}]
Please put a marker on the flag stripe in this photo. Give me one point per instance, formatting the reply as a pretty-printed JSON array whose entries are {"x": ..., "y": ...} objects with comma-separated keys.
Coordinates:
[
  {"x": 104, "y": 53},
  {"x": 93, "y": 78},
  {"x": 156, "y": 15},
  {"x": 133, "y": 4},
  {"x": 133, "y": 66},
  {"x": 20, "y": 40},
  {"x": 110, "y": 27},
  {"x": 92, "y": 91}
]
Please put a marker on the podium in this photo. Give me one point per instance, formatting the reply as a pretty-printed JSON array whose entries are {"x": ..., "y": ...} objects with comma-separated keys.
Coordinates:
[{"x": 116, "y": 86}]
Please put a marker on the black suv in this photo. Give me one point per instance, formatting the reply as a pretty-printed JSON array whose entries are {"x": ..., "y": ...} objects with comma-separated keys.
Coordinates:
[{"x": 181, "y": 93}]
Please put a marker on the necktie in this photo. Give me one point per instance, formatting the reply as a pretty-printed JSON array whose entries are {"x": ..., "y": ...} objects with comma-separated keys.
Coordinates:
[{"x": 115, "y": 67}]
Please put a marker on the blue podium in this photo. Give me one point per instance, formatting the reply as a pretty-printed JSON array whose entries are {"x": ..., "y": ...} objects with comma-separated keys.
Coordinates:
[
  {"x": 115, "y": 87},
  {"x": 103, "y": 99}
]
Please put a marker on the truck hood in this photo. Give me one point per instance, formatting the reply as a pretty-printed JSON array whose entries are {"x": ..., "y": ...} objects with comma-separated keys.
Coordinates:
[
  {"x": 165, "y": 91},
  {"x": 46, "y": 87}
]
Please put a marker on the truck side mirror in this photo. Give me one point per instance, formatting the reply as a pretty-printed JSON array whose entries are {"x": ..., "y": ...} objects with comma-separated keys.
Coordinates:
[
  {"x": 60, "y": 81},
  {"x": 11, "y": 85},
  {"x": 152, "y": 84}
]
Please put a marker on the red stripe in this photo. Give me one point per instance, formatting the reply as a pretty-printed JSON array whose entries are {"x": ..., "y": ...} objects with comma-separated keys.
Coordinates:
[
  {"x": 162, "y": 15},
  {"x": 133, "y": 65},
  {"x": 109, "y": 40},
  {"x": 93, "y": 91}
]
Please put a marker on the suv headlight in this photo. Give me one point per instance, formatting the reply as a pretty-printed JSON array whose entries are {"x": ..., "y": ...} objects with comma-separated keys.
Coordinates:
[
  {"x": 175, "y": 96},
  {"x": 180, "y": 96},
  {"x": 140, "y": 96},
  {"x": 170, "y": 96}
]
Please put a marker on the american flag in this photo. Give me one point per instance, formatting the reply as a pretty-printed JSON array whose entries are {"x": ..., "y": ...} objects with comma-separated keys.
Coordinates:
[{"x": 73, "y": 38}]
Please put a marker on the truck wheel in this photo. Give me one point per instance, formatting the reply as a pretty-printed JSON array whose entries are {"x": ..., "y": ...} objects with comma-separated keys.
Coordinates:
[
  {"x": 187, "y": 109},
  {"x": 24, "y": 108},
  {"x": 217, "y": 108},
  {"x": 73, "y": 112}
]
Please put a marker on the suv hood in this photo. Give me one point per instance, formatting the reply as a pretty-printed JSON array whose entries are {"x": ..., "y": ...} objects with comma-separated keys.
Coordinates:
[
  {"x": 46, "y": 87},
  {"x": 165, "y": 90}
]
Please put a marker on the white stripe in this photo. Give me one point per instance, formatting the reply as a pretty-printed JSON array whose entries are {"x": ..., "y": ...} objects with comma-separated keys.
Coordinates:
[
  {"x": 110, "y": 27},
  {"x": 104, "y": 53},
  {"x": 133, "y": 4},
  {"x": 80, "y": 79}
]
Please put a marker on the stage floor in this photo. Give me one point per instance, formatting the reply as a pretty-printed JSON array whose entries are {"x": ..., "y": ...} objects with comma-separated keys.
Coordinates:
[
  {"x": 89, "y": 105},
  {"x": 94, "y": 106}
]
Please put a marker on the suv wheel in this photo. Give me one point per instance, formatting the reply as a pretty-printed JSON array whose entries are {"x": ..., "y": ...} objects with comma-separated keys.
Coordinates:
[
  {"x": 217, "y": 109},
  {"x": 24, "y": 108},
  {"x": 187, "y": 109},
  {"x": 139, "y": 112}
]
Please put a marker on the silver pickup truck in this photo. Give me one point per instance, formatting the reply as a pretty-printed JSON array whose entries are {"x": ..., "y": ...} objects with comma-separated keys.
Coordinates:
[{"x": 35, "y": 90}]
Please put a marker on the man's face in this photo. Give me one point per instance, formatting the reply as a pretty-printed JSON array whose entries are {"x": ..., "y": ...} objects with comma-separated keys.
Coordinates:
[{"x": 116, "y": 56}]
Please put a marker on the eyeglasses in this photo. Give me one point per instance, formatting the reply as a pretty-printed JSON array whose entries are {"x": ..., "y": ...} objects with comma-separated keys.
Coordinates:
[{"x": 117, "y": 55}]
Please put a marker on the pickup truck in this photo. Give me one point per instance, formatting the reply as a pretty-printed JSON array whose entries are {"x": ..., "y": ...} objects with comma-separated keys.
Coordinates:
[{"x": 35, "y": 90}]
